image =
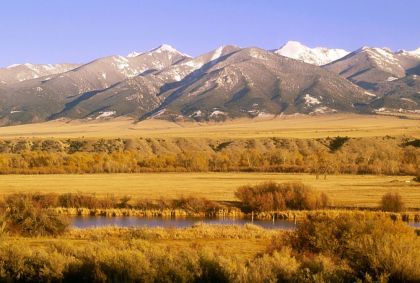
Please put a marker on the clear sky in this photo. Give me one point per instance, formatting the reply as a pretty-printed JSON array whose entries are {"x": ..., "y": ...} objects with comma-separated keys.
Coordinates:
[{"x": 56, "y": 31}]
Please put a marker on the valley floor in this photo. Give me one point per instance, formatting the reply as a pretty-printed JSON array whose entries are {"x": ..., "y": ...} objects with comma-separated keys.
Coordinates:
[
  {"x": 299, "y": 126},
  {"x": 343, "y": 190}
]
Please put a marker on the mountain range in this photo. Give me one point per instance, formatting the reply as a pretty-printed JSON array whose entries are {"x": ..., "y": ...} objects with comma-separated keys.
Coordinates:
[{"x": 228, "y": 82}]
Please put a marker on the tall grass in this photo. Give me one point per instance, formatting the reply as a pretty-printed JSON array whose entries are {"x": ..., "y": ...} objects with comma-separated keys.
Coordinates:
[{"x": 324, "y": 249}]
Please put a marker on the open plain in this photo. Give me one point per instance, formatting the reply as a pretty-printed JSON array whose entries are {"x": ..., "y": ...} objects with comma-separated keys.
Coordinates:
[
  {"x": 344, "y": 190},
  {"x": 295, "y": 126}
]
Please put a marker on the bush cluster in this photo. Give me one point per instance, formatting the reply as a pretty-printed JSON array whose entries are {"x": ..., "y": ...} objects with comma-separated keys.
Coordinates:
[
  {"x": 91, "y": 201},
  {"x": 392, "y": 202},
  {"x": 365, "y": 247},
  {"x": 271, "y": 196},
  {"x": 29, "y": 218}
]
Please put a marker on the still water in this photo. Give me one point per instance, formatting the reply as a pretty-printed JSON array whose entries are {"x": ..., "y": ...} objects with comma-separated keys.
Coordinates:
[
  {"x": 414, "y": 224},
  {"x": 133, "y": 221}
]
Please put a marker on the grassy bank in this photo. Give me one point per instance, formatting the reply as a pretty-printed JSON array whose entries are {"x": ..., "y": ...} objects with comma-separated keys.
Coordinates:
[{"x": 290, "y": 215}]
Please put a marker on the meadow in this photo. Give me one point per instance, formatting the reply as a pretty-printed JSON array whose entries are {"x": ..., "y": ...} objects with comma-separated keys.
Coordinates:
[
  {"x": 343, "y": 190},
  {"x": 299, "y": 126}
]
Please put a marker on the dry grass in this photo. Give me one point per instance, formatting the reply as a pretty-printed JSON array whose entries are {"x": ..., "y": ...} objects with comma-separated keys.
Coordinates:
[
  {"x": 343, "y": 190},
  {"x": 237, "y": 241},
  {"x": 289, "y": 126},
  {"x": 239, "y": 248}
]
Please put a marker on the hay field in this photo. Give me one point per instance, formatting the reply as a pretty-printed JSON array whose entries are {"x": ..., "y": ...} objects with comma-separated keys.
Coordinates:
[
  {"x": 300, "y": 126},
  {"x": 344, "y": 190}
]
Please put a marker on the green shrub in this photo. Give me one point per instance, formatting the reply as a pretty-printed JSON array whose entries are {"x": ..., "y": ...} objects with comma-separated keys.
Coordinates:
[{"x": 271, "y": 196}]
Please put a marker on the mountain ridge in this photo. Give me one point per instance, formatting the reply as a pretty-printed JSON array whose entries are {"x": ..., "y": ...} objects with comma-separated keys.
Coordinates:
[
  {"x": 227, "y": 82},
  {"x": 317, "y": 56}
]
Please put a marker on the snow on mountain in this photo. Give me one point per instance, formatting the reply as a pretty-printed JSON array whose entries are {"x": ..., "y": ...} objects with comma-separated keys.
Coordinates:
[
  {"x": 227, "y": 82},
  {"x": 180, "y": 71},
  {"x": 22, "y": 72},
  {"x": 415, "y": 53},
  {"x": 161, "y": 49},
  {"x": 316, "y": 56},
  {"x": 168, "y": 48},
  {"x": 134, "y": 54},
  {"x": 13, "y": 66},
  {"x": 368, "y": 66},
  {"x": 381, "y": 56}
]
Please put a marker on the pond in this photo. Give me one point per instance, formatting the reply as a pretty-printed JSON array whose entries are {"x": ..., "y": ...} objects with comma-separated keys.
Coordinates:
[
  {"x": 414, "y": 224},
  {"x": 134, "y": 221}
]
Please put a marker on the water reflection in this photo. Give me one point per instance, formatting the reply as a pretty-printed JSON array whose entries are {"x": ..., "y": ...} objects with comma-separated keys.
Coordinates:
[{"x": 132, "y": 221}]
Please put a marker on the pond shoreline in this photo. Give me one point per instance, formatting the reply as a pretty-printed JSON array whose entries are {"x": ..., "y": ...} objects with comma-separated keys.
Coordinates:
[
  {"x": 234, "y": 213},
  {"x": 84, "y": 222}
]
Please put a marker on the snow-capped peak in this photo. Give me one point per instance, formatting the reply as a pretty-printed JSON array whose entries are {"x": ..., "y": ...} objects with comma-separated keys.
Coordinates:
[
  {"x": 168, "y": 48},
  {"x": 415, "y": 53},
  {"x": 380, "y": 55},
  {"x": 27, "y": 65},
  {"x": 134, "y": 54},
  {"x": 293, "y": 47},
  {"x": 13, "y": 66},
  {"x": 383, "y": 50},
  {"x": 316, "y": 56}
]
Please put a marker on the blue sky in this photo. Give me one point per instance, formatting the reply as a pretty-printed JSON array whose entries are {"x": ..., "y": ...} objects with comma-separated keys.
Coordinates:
[{"x": 55, "y": 31}]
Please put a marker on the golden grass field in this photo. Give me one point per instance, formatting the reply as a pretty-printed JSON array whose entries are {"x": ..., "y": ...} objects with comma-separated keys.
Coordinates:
[
  {"x": 287, "y": 126},
  {"x": 344, "y": 190},
  {"x": 240, "y": 242},
  {"x": 244, "y": 249}
]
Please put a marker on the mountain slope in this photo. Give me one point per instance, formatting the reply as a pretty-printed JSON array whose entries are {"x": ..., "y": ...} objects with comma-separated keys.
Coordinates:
[
  {"x": 254, "y": 82},
  {"x": 46, "y": 98},
  {"x": 315, "y": 56},
  {"x": 399, "y": 95},
  {"x": 139, "y": 95},
  {"x": 368, "y": 66},
  {"x": 228, "y": 82},
  {"x": 22, "y": 72}
]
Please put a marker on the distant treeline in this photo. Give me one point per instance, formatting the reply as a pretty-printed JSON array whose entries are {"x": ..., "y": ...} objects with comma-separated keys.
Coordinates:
[{"x": 337, "y": 155}]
